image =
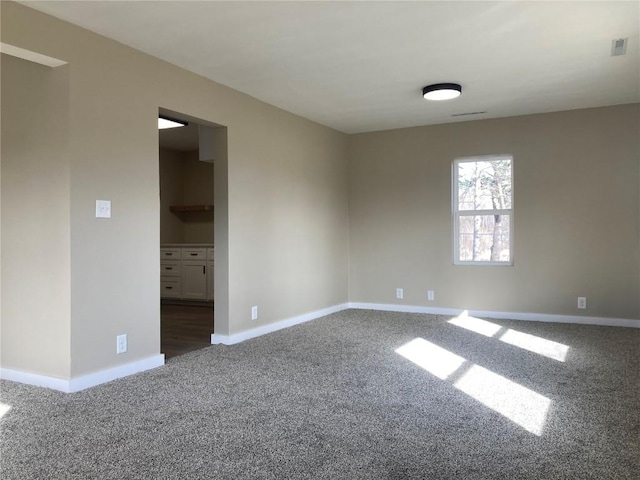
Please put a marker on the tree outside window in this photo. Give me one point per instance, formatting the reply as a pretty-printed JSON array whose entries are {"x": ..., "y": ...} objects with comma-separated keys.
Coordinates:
[{"x": 483, "y": 210}]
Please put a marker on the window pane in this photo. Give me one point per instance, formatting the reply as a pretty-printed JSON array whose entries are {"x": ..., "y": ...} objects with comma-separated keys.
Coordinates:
[
  {"x": 484, "y": 185},
  {"x": 484, "y": 238}
]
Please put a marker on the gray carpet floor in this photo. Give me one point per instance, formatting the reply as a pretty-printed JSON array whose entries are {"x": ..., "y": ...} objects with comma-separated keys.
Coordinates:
[{"x": 332, "y": 399}]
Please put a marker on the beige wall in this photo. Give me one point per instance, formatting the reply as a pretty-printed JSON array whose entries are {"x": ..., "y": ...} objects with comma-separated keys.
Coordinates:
[
  {"x": 35, "y": 218},
  {"x": 576, "y": 199},
  {"x": 288, "y": 220},
  {"x": 185, "y": 180},
  {"x": 198, "y": 190},
  {"x": 171, "y": 193},
  {"x": 281, "y": 201}
]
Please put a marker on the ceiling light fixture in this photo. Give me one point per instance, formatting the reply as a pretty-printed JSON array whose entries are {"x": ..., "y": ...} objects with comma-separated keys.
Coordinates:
[
  {"x": 166, "y": 122},
  {"x": 441, "y": 91}
]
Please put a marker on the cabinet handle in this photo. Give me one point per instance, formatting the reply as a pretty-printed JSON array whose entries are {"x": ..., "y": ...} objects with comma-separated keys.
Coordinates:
[
  {"x": 168, "y": 268},
  {"x": 193, "y": 254},
  {"x": 203, "y": 270},
  {"x": 169, "y": 288},
  {"x": 168, "y": 254}
]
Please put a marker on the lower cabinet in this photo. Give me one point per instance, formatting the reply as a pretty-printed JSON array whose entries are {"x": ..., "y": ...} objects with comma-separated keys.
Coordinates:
[
  {"x": 186, "y": 273},
  {"x": 194, "y": 280},
  {"x": 170, "y": 277},
  {"x": 171, "y": 288}
]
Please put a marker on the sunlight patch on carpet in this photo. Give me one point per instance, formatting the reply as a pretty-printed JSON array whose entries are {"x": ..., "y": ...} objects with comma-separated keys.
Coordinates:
[
  {"x": 523, "y": 406},
  {"x": 476, "y": 325},
  {"x": 519, "y": 404},
  {"x": 432, "y": 358},
  {"x": 4, "y": 409},
  {"x": 541, "y": 346}
]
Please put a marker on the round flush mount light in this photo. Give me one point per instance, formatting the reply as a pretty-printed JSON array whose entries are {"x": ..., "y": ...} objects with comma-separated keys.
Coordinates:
[{"x": 441, "y": 91}]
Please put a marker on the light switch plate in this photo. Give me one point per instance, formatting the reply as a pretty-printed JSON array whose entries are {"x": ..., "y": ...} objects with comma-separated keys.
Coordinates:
[{"x": 103, "y": 208}]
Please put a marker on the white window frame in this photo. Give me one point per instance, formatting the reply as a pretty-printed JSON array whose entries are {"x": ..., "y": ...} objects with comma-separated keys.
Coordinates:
[{"x": 456, "y": 213}]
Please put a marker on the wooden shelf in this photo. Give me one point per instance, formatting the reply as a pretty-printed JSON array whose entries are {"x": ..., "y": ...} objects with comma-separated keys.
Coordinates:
[{"x": 190, "y": 208}]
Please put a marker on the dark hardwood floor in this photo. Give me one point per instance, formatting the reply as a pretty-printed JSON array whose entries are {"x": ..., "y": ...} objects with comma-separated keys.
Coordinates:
[{"x": 184, "y": 328}]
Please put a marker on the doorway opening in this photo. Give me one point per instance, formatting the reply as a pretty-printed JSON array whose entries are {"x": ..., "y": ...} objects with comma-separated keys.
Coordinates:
[{"x": 187, "y": 233}]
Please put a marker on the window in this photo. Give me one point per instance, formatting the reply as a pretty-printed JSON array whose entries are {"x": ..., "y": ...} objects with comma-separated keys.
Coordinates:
[{"x": 483, "y": 210}]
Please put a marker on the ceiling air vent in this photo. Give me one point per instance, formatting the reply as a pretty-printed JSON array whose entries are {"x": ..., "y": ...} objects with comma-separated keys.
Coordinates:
[
  {"x": 619, "y": 46},
  {"x": 467, "y": 113}
]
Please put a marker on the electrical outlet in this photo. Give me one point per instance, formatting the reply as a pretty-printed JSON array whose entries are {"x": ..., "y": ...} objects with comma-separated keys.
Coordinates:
[
  {"x": 121, "y": 344},
  {"x": 582, "y": 303},
  {"x": 254, "y": 313},
  {"x": 399, "y": 293},
  {"x": 430, "y": 295}
]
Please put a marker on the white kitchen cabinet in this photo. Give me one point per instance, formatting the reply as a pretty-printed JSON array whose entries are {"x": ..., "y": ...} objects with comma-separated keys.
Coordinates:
[
  {"x": 189, "y": 253},
  {"x": 170, "y": 273},
  {"x": 171, "y": 287},
  {"x": 194, "y": 280},
  {"x": 170, "y": 253},
  {"x": 170, "y": 268},
  {"x": 186, "y": 272}
]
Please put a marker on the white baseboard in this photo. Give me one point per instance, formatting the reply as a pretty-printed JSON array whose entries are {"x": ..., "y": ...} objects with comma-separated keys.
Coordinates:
[
  {"x": 217, "y": 339},
  {"x": 532, "y": 317},
  {"x": 103, "y": 376},
  {"x": 273, "y": 327},
  {"x": 85, "y": 381},
  {"x": 34, "y": 379}
]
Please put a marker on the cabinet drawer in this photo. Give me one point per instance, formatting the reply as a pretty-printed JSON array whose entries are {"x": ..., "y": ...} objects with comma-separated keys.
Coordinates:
[
  {"x": 170, "y": 253},
  {"x": 171, "y": 287},
  {"x": 170, "y": 268},
  {"x": 194, "y": 253},
  {"x": 211, "y": 254}
]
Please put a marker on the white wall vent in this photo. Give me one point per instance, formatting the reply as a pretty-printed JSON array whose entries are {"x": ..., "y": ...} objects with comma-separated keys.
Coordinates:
[
  {"x": 467, "y": 113},
  {"x": 619, "y": 46}
]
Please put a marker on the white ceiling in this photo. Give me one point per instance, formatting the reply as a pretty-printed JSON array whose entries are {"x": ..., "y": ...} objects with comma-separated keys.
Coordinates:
[{"x": 360, "y": 66}]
